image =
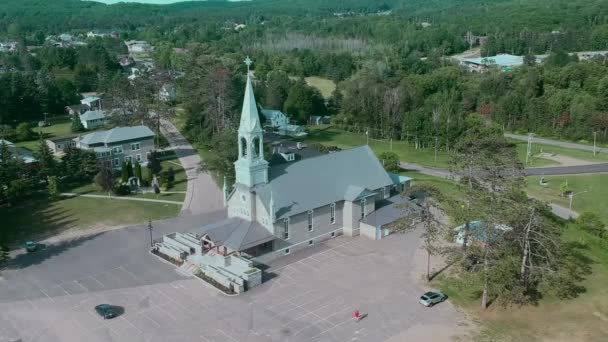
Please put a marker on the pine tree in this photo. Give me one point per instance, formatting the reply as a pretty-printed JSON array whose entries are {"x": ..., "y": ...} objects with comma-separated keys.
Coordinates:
[
  {"x": 54, "y": 186},
  {"x": 137, "y": 171},
  {"x": 124, "y": 172},
  {"x": 76, "y": 124},
  {"x": 47, "y": 165},
  {"x": 129, "y": 169}
]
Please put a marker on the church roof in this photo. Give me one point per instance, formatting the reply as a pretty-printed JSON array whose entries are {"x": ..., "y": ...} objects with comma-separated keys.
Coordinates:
[
  {"x": 250, "y": 119},
  {"x": 236, "y": 233},
  {"x": 316, "y": 182}
]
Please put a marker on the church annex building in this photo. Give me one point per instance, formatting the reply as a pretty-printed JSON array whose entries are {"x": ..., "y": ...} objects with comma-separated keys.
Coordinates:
[{"x": 274, "y": 211}]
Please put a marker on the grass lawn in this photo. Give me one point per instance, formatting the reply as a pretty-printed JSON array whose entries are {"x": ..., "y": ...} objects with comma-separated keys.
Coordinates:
[
  {"x": 578, "y": 154},
  {"x": 406, "y": 152},
  {"x": 324, "y": 85},
  {"x": 522, "y": 150},
  {"x": 39, "y": 216},
  {"x": 596, "y": 200},
  {"x": 61, "y": 128},
  {"x": 578, "y": 319}
]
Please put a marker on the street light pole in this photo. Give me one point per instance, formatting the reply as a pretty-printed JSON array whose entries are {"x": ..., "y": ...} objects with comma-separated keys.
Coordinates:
[
  {"x": 594, "y": 145},
  {"x": 529, "y": 151},
  {"x": 150, "y": 228},
  {"x": 572, "y": 197}
]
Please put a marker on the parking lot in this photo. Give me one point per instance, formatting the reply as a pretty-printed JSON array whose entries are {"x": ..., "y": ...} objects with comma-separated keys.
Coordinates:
[{"x": 311, "y": 297}]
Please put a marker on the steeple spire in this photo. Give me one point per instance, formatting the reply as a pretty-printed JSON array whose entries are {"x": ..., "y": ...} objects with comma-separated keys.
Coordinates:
[{"x": 250, "y": 119}]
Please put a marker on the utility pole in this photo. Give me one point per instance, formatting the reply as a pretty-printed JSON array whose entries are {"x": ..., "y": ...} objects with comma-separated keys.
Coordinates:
[
  {"x": 594, "y": 144},
  {"x": 367, "y": 136},
  {"x": 436, "y": 141},
  {"x": 150, "y": 228},
  {"x": 391, "y": 144},
  {"x": 529, "y": 151},
  {"x": 572, "y": 197}
]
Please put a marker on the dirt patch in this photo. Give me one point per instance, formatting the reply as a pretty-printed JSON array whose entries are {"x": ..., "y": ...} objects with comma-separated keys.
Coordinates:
[{"x": 565, "y": 160}]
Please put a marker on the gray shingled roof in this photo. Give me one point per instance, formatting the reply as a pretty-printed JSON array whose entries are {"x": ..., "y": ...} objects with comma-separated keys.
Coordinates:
[
  {"x": 117, "y": 134},
  {"x": 390, "y": 210},
  {"x": 236, "y": 233},
  {"x": 316, "y": 182},
  {"x": 93, "y": 115}
]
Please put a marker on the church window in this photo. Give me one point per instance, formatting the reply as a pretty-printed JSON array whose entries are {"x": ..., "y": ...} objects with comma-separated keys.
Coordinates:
[
  {"x": 363, "y": 208},
  {"x": 243, "y": 147},
  {"x": 332, "y": 213},
  {"x": 310, "y": 221},
  {"x": 255, "y": 148},
  {"x": 286, "y": 229}
]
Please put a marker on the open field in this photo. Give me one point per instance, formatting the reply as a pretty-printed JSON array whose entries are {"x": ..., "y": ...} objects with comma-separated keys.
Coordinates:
[
  {"x": 594, "y": 200},
  {"x": 79, "y": 213},
  {"x": 324, "y": 85},
  {"x": 406, "y": 152}
]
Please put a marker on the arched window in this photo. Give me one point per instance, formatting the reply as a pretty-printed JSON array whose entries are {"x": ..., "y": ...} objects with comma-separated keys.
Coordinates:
[
  {"x": 255, "y": 148},
  {"x": 243, "y": 147}
]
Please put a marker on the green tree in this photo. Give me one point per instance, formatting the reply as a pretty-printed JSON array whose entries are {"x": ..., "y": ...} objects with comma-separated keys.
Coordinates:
[
  {"x": 129, "y": 169},
  {"x": 277, "y": 88},
  {"x": 602, "y": 94},
  {"x": 124, "y": 172},
  {"x": 105, "y": 179},
  {"x": 137, "y": 171},
  {"x": 47, "y": 165},
  {"x": 79, "y": 165},
  {"x": 54, "y": 187},
  {"x": 24, "y": 132},
  {"x": 77, "y": 125},
  {"x": 303, "y": 102},
  {"x": 390, "y": 160},
  {"x": 154, "y": 163}
]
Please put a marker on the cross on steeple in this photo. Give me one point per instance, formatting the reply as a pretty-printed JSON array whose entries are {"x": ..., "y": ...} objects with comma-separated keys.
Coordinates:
[{"x": 248, "y": 63}]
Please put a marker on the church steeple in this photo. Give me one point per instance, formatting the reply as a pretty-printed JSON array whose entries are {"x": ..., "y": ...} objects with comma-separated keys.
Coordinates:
[{"x": 251, "y": 168}]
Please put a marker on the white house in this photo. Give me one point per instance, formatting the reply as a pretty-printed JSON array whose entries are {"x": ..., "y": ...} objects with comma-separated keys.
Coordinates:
[{"x": 94, "y": 118}]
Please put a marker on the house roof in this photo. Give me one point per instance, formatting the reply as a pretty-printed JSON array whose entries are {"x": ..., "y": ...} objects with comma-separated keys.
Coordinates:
[
  {"x": 89, "y": 99},
  {"x": 236, "y": 233},
  {"x": 502, "y": 60},
  {"x": 93, "y": 115},
  {"x": 398, "y": 179},
  {"x": 318, "y": 181},
  {"x": 117, "y": 134},
  {"x": 270, "y": 114}
]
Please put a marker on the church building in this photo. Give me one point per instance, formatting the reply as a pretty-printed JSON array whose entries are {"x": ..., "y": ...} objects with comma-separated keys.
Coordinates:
[{"x": 275, "y": 211}]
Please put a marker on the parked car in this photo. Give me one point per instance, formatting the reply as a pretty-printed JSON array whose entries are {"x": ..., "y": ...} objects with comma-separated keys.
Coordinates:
[
  {"x": 431, "y": 298},
  {"x": 30, "y": 246},
  {"x": 106, "y": 311}
]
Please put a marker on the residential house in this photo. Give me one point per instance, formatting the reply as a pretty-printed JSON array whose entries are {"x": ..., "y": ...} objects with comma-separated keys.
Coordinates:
[
  {"x": 279, "y": 121},
  {"x": 97, "y": 34},
  {"x": 94, "y": 118},
  {"x": 94, "y": 102},
  {"x": 58, "y": 145},
  {"x": 120, "y": 144},
  {"x": 25, "y": 155},
  {"x": 8, "y": 46},
  {"x": 138, "y": 46},
  {"x": 78, "y": 109}
]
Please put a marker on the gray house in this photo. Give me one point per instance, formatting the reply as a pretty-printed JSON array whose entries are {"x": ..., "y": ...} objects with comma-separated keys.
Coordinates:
[
  {"x": 93, "y": 118},
  {"x": 58, "y": 145},
  {"x": 120, "y": 144}
]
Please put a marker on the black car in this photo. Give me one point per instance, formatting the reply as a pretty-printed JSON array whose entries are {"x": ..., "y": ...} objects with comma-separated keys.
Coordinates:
[{"x": 106, "y": 311}]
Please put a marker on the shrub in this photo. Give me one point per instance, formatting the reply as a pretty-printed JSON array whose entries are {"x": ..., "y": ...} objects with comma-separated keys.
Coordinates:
[
  {"x": 54, "y": 186},
  {"x": 319, "y": 147},
  {"x": 24, "y": 132},
  {"x": 121, "y": 190},
  {"x": 390, "y": 161},
  {"x": 591, "y": 223}
]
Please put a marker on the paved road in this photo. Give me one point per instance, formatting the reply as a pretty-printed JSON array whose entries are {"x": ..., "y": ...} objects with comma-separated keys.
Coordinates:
[
  {"x": 567, "y": 170},
  {"x": 202, "y": 193},
  {"x": 557, "y": 143},
  {"x": 558, "y": 210}
]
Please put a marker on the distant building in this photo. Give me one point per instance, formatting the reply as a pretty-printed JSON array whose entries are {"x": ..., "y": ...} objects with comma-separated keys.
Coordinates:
[
  {"x": 474, "y": 40},
  {"x": 8, "y": 46},
  {"x": 502, "y": 62},
  {"x": 120, "y": 144},
  {"x": 425, "y": 24},
  {"x": 138, "y": 46},
  {"x": 77, "y": 109},
  {"x": 126, "y": 61},
  {"x": 97, "y": 34},
  {"x": 94, "y": 118},
  {"x": 65, "y": 37},
  {"x": 26, "y": 156},
  {"x": 590, "y": 55},
  {"x": 94, "y": 102},
  {"x": 279, "y": 121},
  {"x": 58, "y": 145}
]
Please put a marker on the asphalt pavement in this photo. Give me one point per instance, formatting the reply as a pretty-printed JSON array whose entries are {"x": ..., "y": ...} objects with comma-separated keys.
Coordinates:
[{"x": 558, "y": 143}]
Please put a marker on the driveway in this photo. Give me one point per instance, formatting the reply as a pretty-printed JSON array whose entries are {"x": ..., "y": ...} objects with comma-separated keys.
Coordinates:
[
  {"x": 202, "y": 193},
  {"x": 311, "y": 297}
]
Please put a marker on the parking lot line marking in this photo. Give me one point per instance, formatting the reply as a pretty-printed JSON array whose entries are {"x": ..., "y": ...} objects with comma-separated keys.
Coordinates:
[
  {"x": 332, "y": 328},
  {"x": 79, "y": 284},
  {"x": 66, "y": 292},
  {"x": 128, "y": 272},
  {"x": 230, "y": 337},
  {"x": 290, "y": 299},
  {"x": 131, "y": 324},
  {"x": 32, "y": 304},
  {"x": 49, "y": 297},
  {"x": 100, "y": 283},
  {"x": 152, "y": 320}
]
